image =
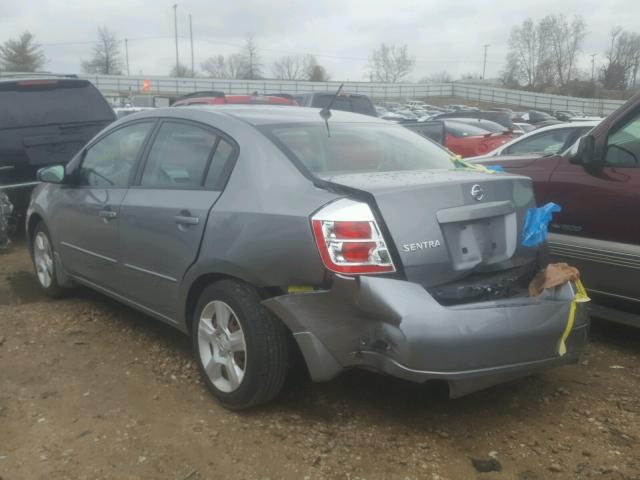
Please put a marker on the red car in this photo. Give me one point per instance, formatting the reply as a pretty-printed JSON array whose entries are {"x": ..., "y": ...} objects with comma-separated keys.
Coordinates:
[
  {"x": 469, "y": 140},
  {"x": 461, "y": 138},
  {"x": 219, "y": 98},
  {"x": 597, "y": 185}
]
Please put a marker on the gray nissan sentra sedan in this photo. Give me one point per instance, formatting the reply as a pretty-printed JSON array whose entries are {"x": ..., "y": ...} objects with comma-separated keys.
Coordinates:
[{"x": 260, "y": 230}]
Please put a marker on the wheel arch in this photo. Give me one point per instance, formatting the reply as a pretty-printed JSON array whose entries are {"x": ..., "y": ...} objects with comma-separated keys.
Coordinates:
[{"x": 198, "y": 285}]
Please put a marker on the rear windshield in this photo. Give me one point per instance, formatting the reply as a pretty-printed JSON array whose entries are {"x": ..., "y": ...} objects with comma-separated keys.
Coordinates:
[
  {"x": 29, "y": 103},
  {"x": 351, "y": 103},
  {"x": 357, "y": 148},
  {"x": 464, "y": 130}
]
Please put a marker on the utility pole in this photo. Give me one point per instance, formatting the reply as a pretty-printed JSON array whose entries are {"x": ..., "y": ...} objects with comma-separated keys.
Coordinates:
[
  {"x": 484, "y": 62},
  {"x": 126, "y": 53},
  {"x": 593, "y": 67},
  {"x": 193, "y": 71},
  {"x": 175, "y": 27}
]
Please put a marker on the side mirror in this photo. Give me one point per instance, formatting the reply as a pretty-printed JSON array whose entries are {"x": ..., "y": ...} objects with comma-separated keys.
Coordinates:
[
  {"x": 582, "y": 152},
  {"x": 52, "y": 174}
]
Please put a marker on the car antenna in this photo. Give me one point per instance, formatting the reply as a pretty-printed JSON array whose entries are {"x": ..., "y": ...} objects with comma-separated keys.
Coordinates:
[{"x": 325, "y": 113}]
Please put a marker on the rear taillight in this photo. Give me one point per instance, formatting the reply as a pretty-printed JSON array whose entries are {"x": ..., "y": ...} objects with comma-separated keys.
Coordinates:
[{"x": 349, "y": 239}]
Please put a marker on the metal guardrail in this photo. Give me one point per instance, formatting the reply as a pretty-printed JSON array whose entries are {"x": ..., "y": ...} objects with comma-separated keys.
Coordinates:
[{"x": 118, "y": 86}]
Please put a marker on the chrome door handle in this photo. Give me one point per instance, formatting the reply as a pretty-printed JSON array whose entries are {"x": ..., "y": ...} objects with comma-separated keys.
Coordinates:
[
  {"x": 186, "y": 220},
  {"x": 108, "y": 214}
]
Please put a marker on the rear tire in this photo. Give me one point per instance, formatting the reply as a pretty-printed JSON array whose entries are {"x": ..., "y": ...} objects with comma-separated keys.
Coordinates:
[
  {"x": 44, "y": 263},
  {"x": 241, "y": 348}
]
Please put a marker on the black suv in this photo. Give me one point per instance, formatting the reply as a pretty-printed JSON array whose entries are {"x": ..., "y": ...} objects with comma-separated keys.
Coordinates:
[
  {"x": 44, "y": 121},
  {"x": 349, "y": 102}
]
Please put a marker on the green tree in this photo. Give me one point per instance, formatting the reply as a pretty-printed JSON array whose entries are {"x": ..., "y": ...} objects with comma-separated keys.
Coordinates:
[{"x": 22, "y": 54}]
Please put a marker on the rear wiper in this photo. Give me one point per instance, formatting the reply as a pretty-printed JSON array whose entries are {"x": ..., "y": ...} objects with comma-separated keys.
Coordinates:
[{"x": 325, "y": 113}]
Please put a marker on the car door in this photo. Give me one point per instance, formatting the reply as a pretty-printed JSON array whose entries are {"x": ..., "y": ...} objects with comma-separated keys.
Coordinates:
[
  {"x": 598, "y": 227},
  {"x": 163, "y": 215},
  {"x": 85, "y": 214}
]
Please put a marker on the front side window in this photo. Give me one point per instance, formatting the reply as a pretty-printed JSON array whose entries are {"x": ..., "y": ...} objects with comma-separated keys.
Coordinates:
[
  {"x": 623, "y": 146},
  {"x": 342, "y": 148},
  {"x": 179, "y": 156},
  {"x": 548, "y": 143},
  {"x": 110, "y": 161}
]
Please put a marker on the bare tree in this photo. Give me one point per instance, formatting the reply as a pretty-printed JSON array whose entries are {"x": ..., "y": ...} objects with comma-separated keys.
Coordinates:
[
  {"x": 623, "y": 60},
  {"x": 232, "y": 66},
  {"x": 288, "y": 67},
  {"x": 251, "y": 68},
  {"x": 390, "y": 63},
  {"x": 511, "y": 74},
  {"x": 528, "y": 52},
  {"x": 236, "y": 65},
  {"x": 181, "y": 70},
  {"x": 106, "y": 59},
  {"x": 215, "y": 67},
  {"x": 565, "y": 40}
]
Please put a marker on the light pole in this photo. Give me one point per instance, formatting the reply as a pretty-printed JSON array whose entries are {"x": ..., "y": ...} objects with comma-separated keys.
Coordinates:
[
  {"x": 126, "y": 53},
  {"x": 175, "y": 27},
  {"x": 193, "y": 72},
  {"x": 484, "y": 62},
  {"x": 593, "y": 67}
]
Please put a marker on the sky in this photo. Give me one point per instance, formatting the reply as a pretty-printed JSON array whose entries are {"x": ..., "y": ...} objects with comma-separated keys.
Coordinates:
[{"x": 441, "y": 35}]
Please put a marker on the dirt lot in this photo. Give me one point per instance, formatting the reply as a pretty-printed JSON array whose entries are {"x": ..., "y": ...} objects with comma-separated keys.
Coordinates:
[{"x": 90, "y": 389}]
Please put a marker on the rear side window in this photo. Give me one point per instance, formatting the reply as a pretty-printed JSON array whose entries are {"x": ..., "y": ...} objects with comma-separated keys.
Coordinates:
[
  {"x": 110, "y": 161},
  {"x": 357, "y": 148},
  {"x": 46, "y": 102},
  {"x": 545, "y": 142},
  {"x": 222, "y": 156},
  {"x": 179, "y": 156}
]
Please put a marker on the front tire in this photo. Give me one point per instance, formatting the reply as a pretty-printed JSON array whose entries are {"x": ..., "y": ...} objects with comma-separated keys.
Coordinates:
[
  {"x": 44, "y": 263},
  {"x": 242, "y": 349}
]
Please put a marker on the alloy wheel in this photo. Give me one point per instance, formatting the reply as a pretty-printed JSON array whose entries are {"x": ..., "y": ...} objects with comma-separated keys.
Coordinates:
[
  {"x": 43, "y": 259},
  {"x": 222, "y": 346}
]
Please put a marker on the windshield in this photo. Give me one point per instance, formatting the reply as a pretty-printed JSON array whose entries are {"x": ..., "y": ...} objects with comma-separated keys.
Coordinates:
[
  {"x": 51, "y": 102},
  {"x": 357, "y": 148}
]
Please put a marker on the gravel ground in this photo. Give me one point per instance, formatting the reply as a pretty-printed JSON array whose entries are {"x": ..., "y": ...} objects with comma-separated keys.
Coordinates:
[{"x": 90, "y": 389}]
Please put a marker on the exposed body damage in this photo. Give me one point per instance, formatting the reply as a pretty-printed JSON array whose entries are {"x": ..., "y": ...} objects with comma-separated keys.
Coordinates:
[{"x": 396, "y": 327}]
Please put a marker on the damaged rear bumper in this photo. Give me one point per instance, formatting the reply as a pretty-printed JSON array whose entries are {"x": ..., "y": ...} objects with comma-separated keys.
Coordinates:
[{"x": 396, "y": 327}]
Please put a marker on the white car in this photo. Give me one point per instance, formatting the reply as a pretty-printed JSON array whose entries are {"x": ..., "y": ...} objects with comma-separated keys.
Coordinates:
[{"x": 546, "y": 140}]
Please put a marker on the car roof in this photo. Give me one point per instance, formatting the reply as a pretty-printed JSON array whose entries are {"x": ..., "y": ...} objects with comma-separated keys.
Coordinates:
[
  {"x": 272, "y": 114},
  {"x": 36, "y": 78}
]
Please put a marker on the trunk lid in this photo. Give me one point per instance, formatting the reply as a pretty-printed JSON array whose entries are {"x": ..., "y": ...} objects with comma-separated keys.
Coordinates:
[{"x": 449, "y": 224}]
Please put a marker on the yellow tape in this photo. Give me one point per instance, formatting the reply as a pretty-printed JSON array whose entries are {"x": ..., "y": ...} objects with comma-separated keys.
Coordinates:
[
  {"x": 580, "y": 297},
  {"x": 460, "y": 162},
  {"x": 299, "y": 288}
]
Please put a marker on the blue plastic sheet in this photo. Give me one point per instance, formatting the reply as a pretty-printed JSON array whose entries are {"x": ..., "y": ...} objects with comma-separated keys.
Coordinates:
[
  {"x": 495, "y": 168},
  {"x": 536, "y": 224}
]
